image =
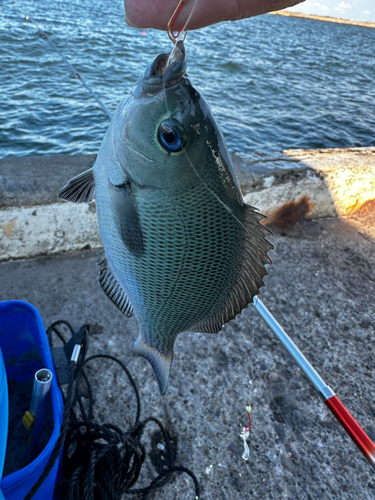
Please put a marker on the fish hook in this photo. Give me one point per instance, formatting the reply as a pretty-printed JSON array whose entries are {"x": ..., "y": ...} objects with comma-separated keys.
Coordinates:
[{"x": 172, "y": 21}]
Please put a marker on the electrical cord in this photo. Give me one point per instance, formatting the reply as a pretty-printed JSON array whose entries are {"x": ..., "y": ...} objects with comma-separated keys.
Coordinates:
[{"x": 102, "y": 461}]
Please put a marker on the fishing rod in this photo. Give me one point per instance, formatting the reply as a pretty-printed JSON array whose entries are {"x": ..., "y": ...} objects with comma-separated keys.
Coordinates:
[
  {"x": 346, "y": 419},
  {"x": 72, "y": 68}
]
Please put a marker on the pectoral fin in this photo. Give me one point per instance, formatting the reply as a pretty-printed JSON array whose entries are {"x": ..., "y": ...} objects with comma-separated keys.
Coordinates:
[
  {"x": 161, "y": 363},
  {"x": 80, "y": 189},
  {"x": 125, "y": 212}
]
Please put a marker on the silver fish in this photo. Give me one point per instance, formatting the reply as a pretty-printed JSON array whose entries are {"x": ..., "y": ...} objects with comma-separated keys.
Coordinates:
[{"x": 182, "y": 250}]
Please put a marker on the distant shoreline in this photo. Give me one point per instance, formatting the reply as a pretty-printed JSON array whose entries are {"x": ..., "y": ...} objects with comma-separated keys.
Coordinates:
[{"x": 339, "y": 20}]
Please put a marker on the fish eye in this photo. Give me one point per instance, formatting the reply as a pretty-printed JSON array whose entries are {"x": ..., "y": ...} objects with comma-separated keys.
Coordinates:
[{"x": 169, "y": 137}]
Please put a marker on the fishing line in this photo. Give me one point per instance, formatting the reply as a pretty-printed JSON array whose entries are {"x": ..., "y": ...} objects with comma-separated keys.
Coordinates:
[
  {"x": 245, "y": 429},
  {"x": 240, "y": 342},
  {"x": 188, "y": 19},
  {"x": 197, "y": 174},
  {"x": 72, "y": 68},
  {"x": 255, "y": 300},
  {"x": 175, "y": 48},
  {"x": 182, "y": 30}
]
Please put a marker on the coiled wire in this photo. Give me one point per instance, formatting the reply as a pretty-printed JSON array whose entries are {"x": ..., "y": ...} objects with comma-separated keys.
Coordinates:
[{"x": 102, "y": 461}]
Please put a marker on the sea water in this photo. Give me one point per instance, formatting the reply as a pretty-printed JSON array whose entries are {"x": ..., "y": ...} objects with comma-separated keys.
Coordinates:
[{"x": 273, "y": 82}]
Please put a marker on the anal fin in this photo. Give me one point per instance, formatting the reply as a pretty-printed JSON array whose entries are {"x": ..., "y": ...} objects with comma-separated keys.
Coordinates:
[
  {"x": 113, "y": 289},
  {"x": 80, "y": 189}
]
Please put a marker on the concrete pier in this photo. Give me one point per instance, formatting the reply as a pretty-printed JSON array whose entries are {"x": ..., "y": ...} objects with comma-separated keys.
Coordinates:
[
  {"x": 321, "y": 289},
  {"x": 319, "y": 183}
]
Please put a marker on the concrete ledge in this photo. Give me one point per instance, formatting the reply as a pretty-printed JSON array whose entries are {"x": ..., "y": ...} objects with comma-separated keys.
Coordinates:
[
  {"x": 33, "y": 221},
  {"x": 327, "y": 183},
  {"x": 321, "y": 183},
  {"x": 35, "y": 180},
  {"x": 47, "y": 229}
]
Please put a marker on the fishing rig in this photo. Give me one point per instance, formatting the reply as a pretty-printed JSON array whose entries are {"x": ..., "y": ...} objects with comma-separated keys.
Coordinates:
[
  {"x": 346, "y": 419},
  {"x": 352, "y": 427}
]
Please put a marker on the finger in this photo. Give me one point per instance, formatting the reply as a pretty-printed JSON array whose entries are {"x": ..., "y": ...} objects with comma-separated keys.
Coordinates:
[{"x": 156, "y": 13}]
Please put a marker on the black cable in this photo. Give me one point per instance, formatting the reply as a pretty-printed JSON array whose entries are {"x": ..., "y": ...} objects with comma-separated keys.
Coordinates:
[
  {"x": 52, "y": 328},
  {"x": 102, "y": 461},
  {"x": 131, "y": 380}
]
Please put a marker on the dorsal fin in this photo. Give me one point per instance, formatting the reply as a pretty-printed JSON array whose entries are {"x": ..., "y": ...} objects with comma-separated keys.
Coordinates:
[
  {"x": 80, "y": 189},
  {"x": 249, "y": 278},
  {"x": 161, "y": 363},
  {"x": 113, "y": 289}
]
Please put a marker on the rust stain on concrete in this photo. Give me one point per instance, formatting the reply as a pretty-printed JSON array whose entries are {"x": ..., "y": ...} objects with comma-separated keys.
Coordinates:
[
  {"x": 368, "y": 207},
  {"x": 8, "y": 228},
  {"x": 287, "y": 216}
]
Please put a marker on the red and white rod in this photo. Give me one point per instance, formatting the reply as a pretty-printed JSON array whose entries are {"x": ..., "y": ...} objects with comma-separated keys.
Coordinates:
[{"x": 345, "y": 418}]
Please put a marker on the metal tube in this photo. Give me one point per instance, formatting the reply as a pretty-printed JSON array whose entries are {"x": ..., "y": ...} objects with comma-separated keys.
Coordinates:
[
  {"x": 42, "y": 385},
  {"x": 324, "y": 390},
  {"x": 4, "y": 412}
]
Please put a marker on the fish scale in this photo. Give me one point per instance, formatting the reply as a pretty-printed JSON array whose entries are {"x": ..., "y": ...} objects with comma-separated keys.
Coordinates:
[
  {"x": 182, "y": 251},
  {"x": 201, "y": 271},
  {"x": 167, "y": 273}
]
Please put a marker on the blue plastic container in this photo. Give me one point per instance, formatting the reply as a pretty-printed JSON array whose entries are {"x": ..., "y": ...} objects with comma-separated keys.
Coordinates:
[
  {"x": 3, "y": 416},
  {"x": 21, "y": 333}
]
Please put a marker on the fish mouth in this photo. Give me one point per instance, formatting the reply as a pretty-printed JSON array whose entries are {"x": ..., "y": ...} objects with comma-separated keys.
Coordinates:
[{"x": 165, "y": 70}]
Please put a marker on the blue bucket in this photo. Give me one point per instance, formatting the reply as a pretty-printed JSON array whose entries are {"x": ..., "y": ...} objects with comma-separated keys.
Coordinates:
[
  {"x": 25, "y": 349},
  {"x": 4, "y": 416}
]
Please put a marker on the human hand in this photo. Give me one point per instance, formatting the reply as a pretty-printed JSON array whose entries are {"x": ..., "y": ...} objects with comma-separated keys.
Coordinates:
[{"x": 156, "y": 13}]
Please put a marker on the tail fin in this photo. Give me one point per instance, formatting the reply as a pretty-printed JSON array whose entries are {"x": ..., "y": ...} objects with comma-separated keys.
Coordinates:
[{"x": 160, "y": 362}]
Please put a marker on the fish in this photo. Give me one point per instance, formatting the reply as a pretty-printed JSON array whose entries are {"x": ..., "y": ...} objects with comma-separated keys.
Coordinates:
[{"x": 182, "y": 251}]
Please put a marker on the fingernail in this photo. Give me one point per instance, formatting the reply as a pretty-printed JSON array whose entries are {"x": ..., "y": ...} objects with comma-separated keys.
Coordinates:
[{"x": 129, "y": 23}]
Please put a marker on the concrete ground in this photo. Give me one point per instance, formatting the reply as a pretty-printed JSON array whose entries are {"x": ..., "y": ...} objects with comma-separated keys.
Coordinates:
[{"x": 321, "y": 289}]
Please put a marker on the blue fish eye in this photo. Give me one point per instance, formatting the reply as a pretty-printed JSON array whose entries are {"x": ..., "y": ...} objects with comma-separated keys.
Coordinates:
[{"x": 169, "y": 137}]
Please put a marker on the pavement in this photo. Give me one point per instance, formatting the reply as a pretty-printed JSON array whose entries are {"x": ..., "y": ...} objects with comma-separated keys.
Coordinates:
[{"x": 321, "y": 288}]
